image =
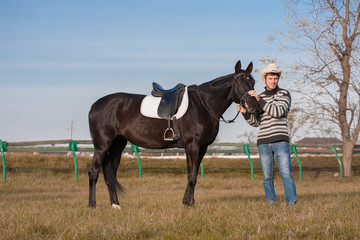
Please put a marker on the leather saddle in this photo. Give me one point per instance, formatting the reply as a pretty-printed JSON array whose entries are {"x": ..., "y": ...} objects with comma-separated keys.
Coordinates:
[
  {"x": 170, "y": 99},
  {"x": 168, "y": 107}
]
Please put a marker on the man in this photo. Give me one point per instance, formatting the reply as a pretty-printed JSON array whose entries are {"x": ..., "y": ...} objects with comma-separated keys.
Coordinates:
[{"x": 273, "y": 138}]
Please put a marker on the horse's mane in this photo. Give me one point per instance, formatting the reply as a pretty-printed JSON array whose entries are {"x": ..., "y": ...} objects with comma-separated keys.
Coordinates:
[{"x": 218, "y": 81}]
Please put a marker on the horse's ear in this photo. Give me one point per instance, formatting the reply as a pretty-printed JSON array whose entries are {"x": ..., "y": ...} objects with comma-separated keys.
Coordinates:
[
  {"x": 250, "y": 67},
  {"x": 238, "y": 67}
]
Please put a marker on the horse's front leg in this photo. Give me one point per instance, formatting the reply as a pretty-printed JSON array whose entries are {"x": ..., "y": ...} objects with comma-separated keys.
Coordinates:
[{"x": 194, "y": 156}]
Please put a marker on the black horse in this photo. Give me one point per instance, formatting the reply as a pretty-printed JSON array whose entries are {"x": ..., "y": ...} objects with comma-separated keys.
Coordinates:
[{"x": 116, "y": 119}]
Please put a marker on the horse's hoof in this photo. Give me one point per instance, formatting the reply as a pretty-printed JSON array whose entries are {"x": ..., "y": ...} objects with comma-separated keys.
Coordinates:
[
  {"x": 115, "y": 206},
  {"x": 92, "y": 205},
  {"x": 189, "y": 202}
]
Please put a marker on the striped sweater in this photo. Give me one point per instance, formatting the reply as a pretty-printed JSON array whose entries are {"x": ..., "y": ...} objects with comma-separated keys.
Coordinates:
[{"x": 271, "y": 116}]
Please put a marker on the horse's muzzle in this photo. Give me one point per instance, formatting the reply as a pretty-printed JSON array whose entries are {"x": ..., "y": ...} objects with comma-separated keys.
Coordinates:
[{"x": 243, "y": 103}]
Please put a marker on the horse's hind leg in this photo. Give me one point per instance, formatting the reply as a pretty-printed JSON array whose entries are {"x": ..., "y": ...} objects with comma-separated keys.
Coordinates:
[
  {"x": 94, "y": 174},
  {"x": 110, "y": 166}
]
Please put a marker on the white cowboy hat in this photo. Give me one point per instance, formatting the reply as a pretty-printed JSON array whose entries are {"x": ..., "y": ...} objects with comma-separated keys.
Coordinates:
[{"x": 272, "y": 68}]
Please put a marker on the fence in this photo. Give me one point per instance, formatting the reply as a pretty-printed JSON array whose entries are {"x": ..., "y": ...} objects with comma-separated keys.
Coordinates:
[{"x": 237, "y": 149}]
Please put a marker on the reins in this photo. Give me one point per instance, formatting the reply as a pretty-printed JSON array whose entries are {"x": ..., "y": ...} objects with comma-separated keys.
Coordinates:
[{"x": 222, "y": 119}]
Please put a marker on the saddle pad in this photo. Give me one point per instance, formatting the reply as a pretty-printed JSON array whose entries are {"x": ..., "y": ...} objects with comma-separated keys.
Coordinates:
[{"x": 149, "y": 106}]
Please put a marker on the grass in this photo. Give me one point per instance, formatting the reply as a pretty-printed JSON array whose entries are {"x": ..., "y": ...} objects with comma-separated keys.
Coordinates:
[{"x": 41, "y": 200}]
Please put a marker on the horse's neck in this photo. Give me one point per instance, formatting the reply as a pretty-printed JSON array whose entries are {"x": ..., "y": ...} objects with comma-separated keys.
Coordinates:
[{"x": 216, "y": 94}]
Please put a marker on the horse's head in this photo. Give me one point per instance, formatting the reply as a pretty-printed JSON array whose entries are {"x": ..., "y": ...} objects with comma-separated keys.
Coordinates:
[{"x": 243, "y": 82}]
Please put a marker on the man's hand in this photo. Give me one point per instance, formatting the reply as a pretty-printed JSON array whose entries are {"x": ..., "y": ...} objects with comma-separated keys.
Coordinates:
[
  {"x": 240, "y": 108},
  {"x": 253, "y": 93}
]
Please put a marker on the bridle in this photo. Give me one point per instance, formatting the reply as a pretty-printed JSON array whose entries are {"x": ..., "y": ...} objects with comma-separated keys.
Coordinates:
[
  {"x": 222, "y": 119},
  {"x": 242, "y": 100}
]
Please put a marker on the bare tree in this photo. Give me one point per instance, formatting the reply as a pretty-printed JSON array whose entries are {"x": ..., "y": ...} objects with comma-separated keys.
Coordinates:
[
  {"x": 248, "y": 137},
  {"x": 324, "y": 34},
  {"x": 296, "y": 121}
]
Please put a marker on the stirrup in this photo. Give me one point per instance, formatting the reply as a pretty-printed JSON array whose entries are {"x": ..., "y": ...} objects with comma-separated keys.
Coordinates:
[{"x": 169, "y": 134}]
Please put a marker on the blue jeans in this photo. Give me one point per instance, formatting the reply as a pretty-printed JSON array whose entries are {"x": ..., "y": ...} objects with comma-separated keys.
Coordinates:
[{"x": 281, "y": 152}]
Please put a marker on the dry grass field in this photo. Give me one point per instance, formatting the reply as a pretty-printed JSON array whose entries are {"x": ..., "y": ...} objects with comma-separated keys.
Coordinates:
[{"x": 42, "y": 200}]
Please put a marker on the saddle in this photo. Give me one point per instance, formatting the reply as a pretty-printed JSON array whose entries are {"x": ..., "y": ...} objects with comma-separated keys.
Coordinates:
[
  {"x": 170, "y": 99},
  {"x": 169, "y": 105}
]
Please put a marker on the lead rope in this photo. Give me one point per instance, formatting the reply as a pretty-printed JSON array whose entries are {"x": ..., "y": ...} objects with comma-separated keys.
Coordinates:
[{"x": 212, "y": 114}]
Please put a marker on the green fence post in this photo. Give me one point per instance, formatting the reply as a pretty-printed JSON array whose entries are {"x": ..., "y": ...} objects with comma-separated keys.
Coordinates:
[
  {"x": 135, "y": 149},
  {"x": 73, "y": 148},
  {"x": 338, "y": 159},
  {"x": 202, "y": 170},
  {"x": 293, "y": 149},
  {"x": 246, "y": 149},
  {"x": 3, "y": 149}
]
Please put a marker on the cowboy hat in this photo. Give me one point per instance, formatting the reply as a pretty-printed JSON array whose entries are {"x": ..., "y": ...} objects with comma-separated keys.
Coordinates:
[{"x": 272, "y": 68}]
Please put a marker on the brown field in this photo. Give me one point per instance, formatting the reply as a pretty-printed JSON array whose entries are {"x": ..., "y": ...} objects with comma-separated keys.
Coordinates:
[{"x": 42, "y": 200}]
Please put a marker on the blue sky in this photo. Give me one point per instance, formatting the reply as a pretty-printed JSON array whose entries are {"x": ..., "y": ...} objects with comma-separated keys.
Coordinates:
[{"x": 58, "y": 57}]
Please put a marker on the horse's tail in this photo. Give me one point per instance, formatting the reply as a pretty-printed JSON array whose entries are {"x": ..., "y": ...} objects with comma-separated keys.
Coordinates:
[{"x": 111, "y": 175}]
